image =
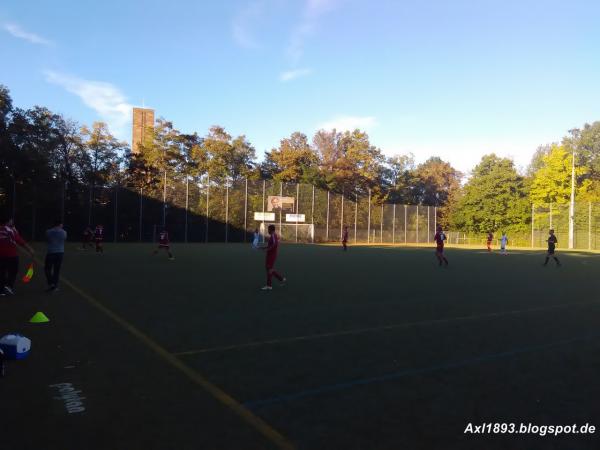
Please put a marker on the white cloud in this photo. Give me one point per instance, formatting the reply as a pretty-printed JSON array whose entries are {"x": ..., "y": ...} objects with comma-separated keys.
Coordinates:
[
  {"x": 20, "y": 33},
  {"x": 349, "y": 123},
  {"x": 313, "y": 10},
  {"x": 244, "y": 23},
  {"x": 104, "y": 98},
  {"x": 293, "y": 74}
]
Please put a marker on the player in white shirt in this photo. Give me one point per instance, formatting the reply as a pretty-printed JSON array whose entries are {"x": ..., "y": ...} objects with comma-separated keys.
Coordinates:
[
  {"x": 503, "y": 242},
  {"x": 256, "y": 239}
]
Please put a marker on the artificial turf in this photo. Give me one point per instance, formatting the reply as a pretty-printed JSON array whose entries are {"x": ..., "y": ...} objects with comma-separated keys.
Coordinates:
[{"x": 375, "y": 348}]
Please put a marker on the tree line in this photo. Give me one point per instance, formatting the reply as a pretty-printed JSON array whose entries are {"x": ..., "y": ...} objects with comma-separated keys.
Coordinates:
[{"x": 43, "y": 152}]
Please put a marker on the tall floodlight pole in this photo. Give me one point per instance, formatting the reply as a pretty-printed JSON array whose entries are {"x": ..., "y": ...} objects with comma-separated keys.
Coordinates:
[{"x": 572, "y": 205}]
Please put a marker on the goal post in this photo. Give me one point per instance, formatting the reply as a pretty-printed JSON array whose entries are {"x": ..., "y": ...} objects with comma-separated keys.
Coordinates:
[{"x": 305, "y": 232}]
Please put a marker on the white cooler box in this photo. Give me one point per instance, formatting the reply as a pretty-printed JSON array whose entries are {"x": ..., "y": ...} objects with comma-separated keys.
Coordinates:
[{"x": 15, "y": 346}]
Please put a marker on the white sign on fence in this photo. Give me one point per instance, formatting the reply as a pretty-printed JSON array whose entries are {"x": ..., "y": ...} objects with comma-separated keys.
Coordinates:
[
  {"x": 295, "y": 218},
  {"x": 267, "y": 217}
]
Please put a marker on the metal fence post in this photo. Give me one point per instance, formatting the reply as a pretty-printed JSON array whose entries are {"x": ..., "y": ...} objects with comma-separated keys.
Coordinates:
[
  {"x": 141, "y": 212},
  {"x": 532, "y": 222},
  {"x": 428, "y": 223},
  {"x": 62, "y": 203},
  {"x": 297, "y": 208},
  {"x": 369, "y": 219},
  {"x": 405, "y": 216},
  {"x": 281, "y": 209},
  {"x": 312, "y": 214},
  {"x": 207, "y": 204},
  {"x": 165, "y": 199},
  {"x": 394, "y": 225},
  {"x": 226, "y": 211},
  {"x": 589, "y": 225},
  {"x": 551, "y": 215},
  {"x": 417, "y": 224},
  {"x": 434, "y": 220},
  {"x": 116, "y": 225},
  {"x": 342, "y": 217},
  {"x": 327, "y": 220},
  {"x": 246, "y": 210},
  {"x": 263, "y": 208},
  {"x": 187, "y": 204},
  {"x": 381, "y": 226},
  {"x": 355, "y": 214}
]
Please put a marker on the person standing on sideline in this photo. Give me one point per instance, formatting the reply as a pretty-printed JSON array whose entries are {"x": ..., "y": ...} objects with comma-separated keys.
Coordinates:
[
  {"x": 255, "y": 239},
  {"x": 9, "y": 259},
  {"x": 503, "y": 243},
  {"x": 552, "y": 241},
  {"x": 345, "y": 238},
  {"x": 55, "y": 237},
  {"x": 271, "y": 249},
  {"x": 490, "y": 238},
  {"x": 439, "y": 239}
]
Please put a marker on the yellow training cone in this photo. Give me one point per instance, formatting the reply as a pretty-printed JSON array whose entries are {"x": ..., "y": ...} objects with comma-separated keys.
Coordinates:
[{"x": 39, "y": 317}]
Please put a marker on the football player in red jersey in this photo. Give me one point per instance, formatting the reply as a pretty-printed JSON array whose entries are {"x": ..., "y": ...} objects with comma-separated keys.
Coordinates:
[
  {"x": 490, "y": 238},
  {"x": 9, "y": 258},
  {"x": 345, "y": 238},
  {"x": 439, "y": 238},
  {"x": 99, "y": 237},
  {"x": 271, "y": 249},
  {"x": 163, "y": 242}
]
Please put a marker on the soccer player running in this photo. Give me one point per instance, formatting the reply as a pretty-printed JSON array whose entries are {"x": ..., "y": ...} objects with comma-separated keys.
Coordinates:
[
  {"x": 503, "y": 242},
  {"x": 87, "y": 238},
  {"x": 439, "y": 238},
  {"x": 9, "y": 259},
  {"x": 164, "y": 243},
  {"x": 271, "y": 249},
  {"x": 55, "y": 237},
  {"x": 99, "y": 237},
  {"x": 490, "y": 238},
  {"x": 345, "y": 238},
  {"x": 552, "y": 241}
]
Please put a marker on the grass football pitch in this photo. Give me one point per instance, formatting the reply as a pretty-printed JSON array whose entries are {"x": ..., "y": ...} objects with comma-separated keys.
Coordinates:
[{"x": 376, "y": 348}]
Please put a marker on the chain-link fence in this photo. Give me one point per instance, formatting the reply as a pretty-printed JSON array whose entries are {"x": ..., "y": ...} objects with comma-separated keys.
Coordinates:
[{"x": 231, "y": 212}]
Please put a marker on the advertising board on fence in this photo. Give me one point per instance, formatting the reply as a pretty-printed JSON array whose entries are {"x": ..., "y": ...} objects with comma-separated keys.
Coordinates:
[
  {"x": 277, "y": 203},
  {"x": 266, "y": 217},
  {"x": 295, "y": 218}
]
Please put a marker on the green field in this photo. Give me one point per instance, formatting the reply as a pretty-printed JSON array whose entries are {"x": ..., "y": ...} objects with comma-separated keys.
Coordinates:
[{"x": 376, "y": 348}]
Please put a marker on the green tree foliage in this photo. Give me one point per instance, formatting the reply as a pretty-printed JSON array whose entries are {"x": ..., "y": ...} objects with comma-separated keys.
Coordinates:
[
  {"x": 551, "y": 183},
  {"x": 228, "y": 159},
  {"x": 494, "y": 199},
  {"x": 292, "y": 161},
  {"x": 399, "y": 173}
]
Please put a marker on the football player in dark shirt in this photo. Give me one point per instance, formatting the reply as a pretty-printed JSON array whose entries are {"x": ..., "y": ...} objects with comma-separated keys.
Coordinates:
[
  {"x": 439, "y": 238},
  {"x": 552, "y": 241}
]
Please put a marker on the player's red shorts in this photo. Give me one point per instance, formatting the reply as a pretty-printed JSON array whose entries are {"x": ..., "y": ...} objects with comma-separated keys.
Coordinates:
[
  {"x": 163, "y": 245},
  {"x": 439, "y": 249},
  {"x": 270, "y": 262}
]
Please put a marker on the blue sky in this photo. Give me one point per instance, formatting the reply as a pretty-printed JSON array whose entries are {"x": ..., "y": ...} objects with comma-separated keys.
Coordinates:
[{"x": 455, "y": 79}]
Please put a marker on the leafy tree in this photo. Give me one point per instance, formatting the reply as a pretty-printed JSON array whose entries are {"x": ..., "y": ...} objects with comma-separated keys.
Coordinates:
[
  {"x": 227, "y": 159},
  {"x": 291, "y": 161},
  {"x": 551, "y": 183},
  {"x": 494, "y": 198}
]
